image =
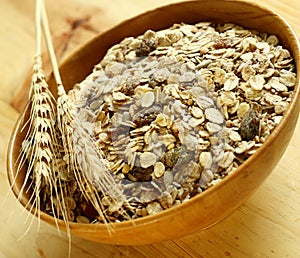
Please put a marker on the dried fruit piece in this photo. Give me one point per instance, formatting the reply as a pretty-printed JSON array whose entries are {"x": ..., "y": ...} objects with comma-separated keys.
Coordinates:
[
  {"x": 140, "y": 174},
  {"x": 250, "y": 125},
  {"x": 146, "y": 116},
  {"x": 171, "y": 157},
  {"x": 146, "y": 47}
]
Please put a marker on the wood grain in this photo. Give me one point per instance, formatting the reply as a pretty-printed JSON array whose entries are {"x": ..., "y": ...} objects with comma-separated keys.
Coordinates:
[{"x": 267, "y": 225}]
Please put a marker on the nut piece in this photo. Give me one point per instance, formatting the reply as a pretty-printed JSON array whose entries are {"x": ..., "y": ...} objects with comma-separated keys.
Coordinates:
[
  {"x": 147, "y": 99},
  {"x": 159, "y": 169},
  {"x": 125, "y": 169},
  {"x": 205, "y": 159}
]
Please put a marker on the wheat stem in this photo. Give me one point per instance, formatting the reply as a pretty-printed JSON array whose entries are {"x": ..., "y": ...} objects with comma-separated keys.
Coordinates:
[
  {"x": 38, "y": 28},
  {"x": 65, "y": 119},
  {"x": 47, "y": 33},
  {"x": 38, "y": 144}
]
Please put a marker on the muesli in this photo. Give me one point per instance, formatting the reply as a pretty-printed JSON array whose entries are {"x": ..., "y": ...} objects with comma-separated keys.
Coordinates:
[{"x": 175, "y": 111}]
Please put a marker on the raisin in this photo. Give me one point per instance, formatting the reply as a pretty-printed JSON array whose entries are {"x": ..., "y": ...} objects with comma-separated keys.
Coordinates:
[
  {"x": 250, "y": 125},
  {"x": 146, "y": 116},
  {"x": 146, "y": 47},
  {"x": 142, "y": 174},
  {"x": 222, "y": 43}
]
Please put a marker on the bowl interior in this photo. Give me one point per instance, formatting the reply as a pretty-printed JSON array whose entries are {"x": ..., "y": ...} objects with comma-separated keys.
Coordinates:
[{"x": 218, "y": 201}]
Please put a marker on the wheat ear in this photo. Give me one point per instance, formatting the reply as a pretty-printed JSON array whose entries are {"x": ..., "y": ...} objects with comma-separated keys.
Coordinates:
[
  {"x": 66, "y": 111},
  {"x": 61, "y": 203},
  {"x": 65, "y": 114},
  {"x": 38, "y": 146}
]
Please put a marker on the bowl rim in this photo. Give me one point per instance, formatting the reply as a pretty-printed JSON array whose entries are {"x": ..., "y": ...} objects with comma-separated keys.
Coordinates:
[{"x": 152, "y": 218}]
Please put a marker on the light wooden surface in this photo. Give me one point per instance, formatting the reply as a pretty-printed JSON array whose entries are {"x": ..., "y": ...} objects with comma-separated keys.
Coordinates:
[{"x": 267, "y": 225}]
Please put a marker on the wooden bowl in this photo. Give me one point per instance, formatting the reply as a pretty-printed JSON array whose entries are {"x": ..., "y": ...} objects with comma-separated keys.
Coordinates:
[{"x": 213, "y": 205}]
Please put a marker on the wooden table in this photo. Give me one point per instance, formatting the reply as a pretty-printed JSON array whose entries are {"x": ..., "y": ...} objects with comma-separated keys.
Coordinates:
[{"x": 267, "y": 225}]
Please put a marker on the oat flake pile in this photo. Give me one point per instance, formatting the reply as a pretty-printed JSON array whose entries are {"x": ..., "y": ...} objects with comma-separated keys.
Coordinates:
[{"x": 173, "y": 112}]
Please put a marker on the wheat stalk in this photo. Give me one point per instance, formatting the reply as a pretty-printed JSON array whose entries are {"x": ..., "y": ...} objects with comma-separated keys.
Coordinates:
[
  {"x": 38, "y": 147},
  {"x": 48, "y": 146},
  {"x": 66, "y": 112},
  {"x": 65, "y": 116}
]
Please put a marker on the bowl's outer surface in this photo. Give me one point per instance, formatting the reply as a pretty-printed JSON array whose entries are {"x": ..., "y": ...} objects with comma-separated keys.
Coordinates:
[{"x": 219, "y": 201}]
